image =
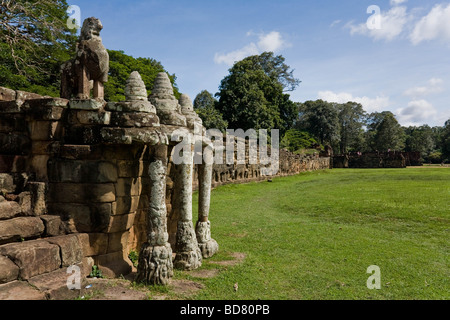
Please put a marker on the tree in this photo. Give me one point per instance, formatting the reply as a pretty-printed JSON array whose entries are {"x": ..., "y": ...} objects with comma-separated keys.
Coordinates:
[
  {"x": 295, "y": 140},
  {"x": 320, "y": 118},
  {"x": 446, "y": 141},
  {"x": 252, "y": 97},
  {"x": 205, "y": 106},
  {"x": 351, "y": 117},
  {"x": 276, "y": 68},
  {"x": 420, "y": 139},
  {"x": 384, "y": 132},
  {"x": 120, "y": 68},
  {"x": 35, "y": 41}
]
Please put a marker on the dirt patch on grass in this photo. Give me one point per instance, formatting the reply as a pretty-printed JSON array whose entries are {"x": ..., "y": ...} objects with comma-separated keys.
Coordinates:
[
  {"x": 112, "y": 289},
  {"x": 238, "y": 258},
  {"x": 204, "y": 274},
  {"x": 185, "y": 288}
]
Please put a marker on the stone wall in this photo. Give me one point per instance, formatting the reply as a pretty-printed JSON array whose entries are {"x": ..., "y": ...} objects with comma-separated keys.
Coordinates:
[
  {"x": 392, "y": 159},
  {"x": 67, "y": 183},
  {"x": 290, "y": 164},
  {"x": 75, "y": 186}
]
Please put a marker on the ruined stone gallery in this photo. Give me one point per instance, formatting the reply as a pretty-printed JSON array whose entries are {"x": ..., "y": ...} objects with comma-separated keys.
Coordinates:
[{"x": 84, "y": 181}]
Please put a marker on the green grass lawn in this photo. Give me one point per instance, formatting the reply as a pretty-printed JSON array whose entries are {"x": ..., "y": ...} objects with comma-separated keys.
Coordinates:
[{"x": 314, "y": 235}]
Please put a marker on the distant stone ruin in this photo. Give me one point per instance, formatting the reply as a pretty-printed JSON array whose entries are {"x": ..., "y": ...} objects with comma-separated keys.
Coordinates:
[
  {"x": 369, "y": 160},
  {"x": 84, "y": 181}
]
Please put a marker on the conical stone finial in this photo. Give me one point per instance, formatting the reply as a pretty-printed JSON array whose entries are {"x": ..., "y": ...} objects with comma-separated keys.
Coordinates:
[
  {"x": 187, "y": 109},
  {"x": 135, "y": 88},
  {"x": 186, "y": 104},
  {"x": 167, "y": 106}
]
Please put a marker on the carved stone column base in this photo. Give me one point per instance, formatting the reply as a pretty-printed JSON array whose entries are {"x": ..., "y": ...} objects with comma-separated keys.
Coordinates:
[
  {"x": 189, "y": 260},
  {"x": 207, "y": 245},
  {"x": 189, "y": 256},
  {"x": 155, "y": 264},
  {"x": 209, "y": 248}
]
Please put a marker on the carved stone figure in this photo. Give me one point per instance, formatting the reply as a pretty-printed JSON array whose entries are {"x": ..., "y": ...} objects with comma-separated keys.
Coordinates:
[{"x": 91, "y": 64}]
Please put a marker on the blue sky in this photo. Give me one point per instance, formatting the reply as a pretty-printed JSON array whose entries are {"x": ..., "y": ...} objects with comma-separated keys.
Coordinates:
[{"x": 397, "y": 59}]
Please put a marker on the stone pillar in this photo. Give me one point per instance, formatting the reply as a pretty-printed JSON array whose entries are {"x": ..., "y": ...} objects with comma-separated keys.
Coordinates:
[
  {"x": 207, "y": 245},
  {"x": 188, "y": 255},
  {"x": 155, "y": 259}
]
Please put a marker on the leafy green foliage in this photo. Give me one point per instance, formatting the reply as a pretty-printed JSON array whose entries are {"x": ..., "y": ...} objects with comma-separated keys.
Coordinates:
[
  {"x": 205, "y": 106},
  {"x": 446, "y": 141},
  {"x": 420, "y": 139},
  {"x": 120, "y": 68},
  {"x": 320, "y": 118},
  {"x": 295, "y": 140},
  {"x": 384, "y": 132},
  {"x": 134, "y": 257},
  {"x": 351, "y": 117},
  {"x": 96, "y": 272},
  {"x": 252, "y": 97},
  {"x": 35, "y": 41}
]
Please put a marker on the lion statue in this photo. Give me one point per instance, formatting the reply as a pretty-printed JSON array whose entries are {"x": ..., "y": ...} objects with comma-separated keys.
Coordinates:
[{"x": 89, "y": 68}]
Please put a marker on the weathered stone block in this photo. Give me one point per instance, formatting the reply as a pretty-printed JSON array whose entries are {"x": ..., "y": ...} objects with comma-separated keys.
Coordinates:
[
  {"x": 12, "y": 164},
  {"x": 81, "y": 193},
  {"x": 114, "y": 264},
  {"x": 45, "y": 130},
  {"x": 7, "y": 94},
  {"x": 54, "y": 284},
  {"x": 128, "y": 187},
  {"x": 33, "y": 257},
  {"x": 44, "y": 147},
  {"x": 10, "y": 122},
  {"x": 82, "y": 171},
  {"x": 83, "y": 135},
  {"x": 7, "y": 184},
  {"x": 118, "y": 241},
  {"x": 134, "y": 119},
  {"x": 38, "y": 191},
  {"x": 39, "y": 166},
  {"x": 90, "y": 104},
  {"x": 20, "y": 228},
  {"x": 71, "y": 248},
  {"x": 23, "y": 96},
  {"x": 115, "y": 136},
  {"x": 9, "y": 271},
  {"x": 46, "y": 109},
  {"x": 9, "y": 210},
  {"x": 74, "y": 152},
  {"x": 94, "y": 117},
  {"x": 10, "y": 107},
  {"x": 126, "y": 205},
  {"x": 131, "y": 106},
  {"x": 94, "y": 244},
  {"x": 24, "y": 201},
  {"x": 20, "y": 290},
  {"x": 14, "y": 144},
  {"x": 121, "y": 223},
  {"x": 78, "y": 218},
  {"x": 52, "y": 225},
  {"x": 130, "y": 169}
]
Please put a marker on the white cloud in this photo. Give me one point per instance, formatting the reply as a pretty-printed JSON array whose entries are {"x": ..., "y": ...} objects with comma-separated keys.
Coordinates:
[
  {"x": 417, "y": 112},
  {"x": 392, "y": 24},
  {"x": 237, "y": 55},
  {"x": 272, "y": 41},
  {"x": 435, "y": 25},
  {"x": 397, "y": 2},
  {"x": 434, "y": 86},
  {"x": 335, "y": 22},
  {"x": 379, "y": 103}
]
